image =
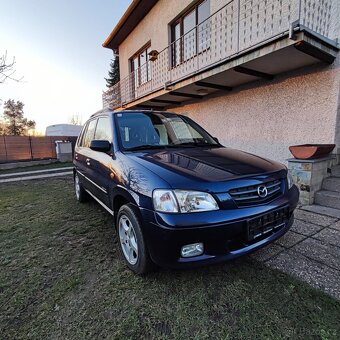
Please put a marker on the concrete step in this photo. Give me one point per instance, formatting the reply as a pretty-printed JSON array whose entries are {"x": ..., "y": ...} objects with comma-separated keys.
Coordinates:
[
  {"x": 331, "y": 184},
  {"x": 319, "y": 209},
  {"x": 336, "y": 171},
  {"x": 328, "y": 198}
]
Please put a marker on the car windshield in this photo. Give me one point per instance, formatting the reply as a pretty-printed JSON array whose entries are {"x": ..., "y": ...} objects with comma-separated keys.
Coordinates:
[{"x": 152, "y": 130}]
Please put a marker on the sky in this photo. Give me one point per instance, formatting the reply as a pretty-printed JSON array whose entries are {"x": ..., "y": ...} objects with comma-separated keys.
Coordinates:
[{"x": 57, "y": 45}]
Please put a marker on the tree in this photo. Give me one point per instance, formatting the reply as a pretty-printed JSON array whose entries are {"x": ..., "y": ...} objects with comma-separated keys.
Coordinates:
[
  {"x": 114, "y": 75},
  {"x": 2, "y": 128},
  {"x": 7, "y": 69},
  {"x": 15, "y": 123},
  {"x": 75, "y": 120}
]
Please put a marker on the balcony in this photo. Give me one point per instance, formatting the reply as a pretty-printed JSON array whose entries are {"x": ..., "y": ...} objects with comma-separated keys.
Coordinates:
[{"x": 244, "y": 41}]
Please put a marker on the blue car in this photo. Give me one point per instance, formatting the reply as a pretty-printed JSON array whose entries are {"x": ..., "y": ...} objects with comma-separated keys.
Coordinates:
[{"x": 179, "y": 198}]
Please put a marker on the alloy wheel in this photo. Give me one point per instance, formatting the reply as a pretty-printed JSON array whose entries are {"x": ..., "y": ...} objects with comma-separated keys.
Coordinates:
[
  {"x": 128, "y": 239},
  {"x": 77, "y": 186}
]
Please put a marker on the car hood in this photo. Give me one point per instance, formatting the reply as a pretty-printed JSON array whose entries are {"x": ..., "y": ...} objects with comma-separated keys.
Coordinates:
[{"x": 196, "y": 167}]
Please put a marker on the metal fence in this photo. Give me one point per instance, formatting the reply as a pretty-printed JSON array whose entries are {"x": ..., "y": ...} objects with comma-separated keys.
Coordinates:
[
  {"x": 238, "y": 26},
  {"x": 24, "y": 148}
]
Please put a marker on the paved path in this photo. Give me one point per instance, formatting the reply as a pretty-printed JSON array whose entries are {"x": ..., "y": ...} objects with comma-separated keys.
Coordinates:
[
  {"x": 22, "y": 176},
  {"x": 310, "y": 251}
]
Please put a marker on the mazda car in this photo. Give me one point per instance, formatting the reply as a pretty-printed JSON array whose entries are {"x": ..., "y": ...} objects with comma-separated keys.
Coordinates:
[{"x": 179, "y": 198}]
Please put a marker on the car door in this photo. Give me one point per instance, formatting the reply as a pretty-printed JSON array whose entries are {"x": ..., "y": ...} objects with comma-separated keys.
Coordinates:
[
  {"x": 79, "y": 161},
  {"x": 101, "y": 162},
  {"x": 79, "y": 157},
  {"x": 83, "y": 156}
]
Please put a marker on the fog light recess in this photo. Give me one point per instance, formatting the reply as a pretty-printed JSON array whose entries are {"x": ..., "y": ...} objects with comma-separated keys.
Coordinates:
[{"x": 190, "y": 250}]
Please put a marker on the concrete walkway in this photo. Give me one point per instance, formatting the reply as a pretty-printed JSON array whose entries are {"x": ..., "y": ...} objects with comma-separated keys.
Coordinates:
[
  {"x": 36, "y": 174},
  {"x": 310, "y": 251},
  {"x": 20, "y": 174}
]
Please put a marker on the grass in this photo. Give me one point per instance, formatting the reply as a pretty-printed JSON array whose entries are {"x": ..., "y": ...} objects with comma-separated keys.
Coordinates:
[
  {"x": 61, "y": 277},
  {"x": 56, "y": 165}
]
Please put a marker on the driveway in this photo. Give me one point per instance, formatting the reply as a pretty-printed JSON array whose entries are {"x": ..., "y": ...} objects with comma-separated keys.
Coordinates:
[{"x": 310, "y": 251}]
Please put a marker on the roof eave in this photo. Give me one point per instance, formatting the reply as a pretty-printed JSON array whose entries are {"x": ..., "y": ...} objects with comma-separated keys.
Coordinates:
[
  {"x": 121, "y": 21},
  {"x": 144, "y": 7}
]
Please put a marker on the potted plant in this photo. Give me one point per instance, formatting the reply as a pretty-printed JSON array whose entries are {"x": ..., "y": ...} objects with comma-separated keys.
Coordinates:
[{"x": 311, "y": 151}]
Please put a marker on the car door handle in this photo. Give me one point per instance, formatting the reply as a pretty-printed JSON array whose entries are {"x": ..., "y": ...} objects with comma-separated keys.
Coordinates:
[{"x": 88, "y": 161}]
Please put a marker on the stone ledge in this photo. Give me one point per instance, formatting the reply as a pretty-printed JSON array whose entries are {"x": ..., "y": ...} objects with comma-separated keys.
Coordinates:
[{"x": 316, "y": 160}]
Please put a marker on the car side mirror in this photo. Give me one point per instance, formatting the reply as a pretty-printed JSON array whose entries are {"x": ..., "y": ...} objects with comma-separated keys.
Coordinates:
[
  {"x": 100, "y": 145},
  {"x": 216, "y": 140}
]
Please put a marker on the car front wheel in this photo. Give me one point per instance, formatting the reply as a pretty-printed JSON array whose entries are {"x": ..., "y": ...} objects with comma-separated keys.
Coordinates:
[
  {"x": 81, "y": 194},
  {"x": 132, "y": 244}
]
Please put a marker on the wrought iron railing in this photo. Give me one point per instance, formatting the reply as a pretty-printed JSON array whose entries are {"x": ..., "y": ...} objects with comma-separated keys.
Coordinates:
[{"x": 238, "y": 26}]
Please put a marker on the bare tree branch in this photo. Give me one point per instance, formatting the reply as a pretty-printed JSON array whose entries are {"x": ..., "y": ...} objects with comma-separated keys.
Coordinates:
[
  {"x": 7, "y": 69},
  {"x": 76, "y": 119}
]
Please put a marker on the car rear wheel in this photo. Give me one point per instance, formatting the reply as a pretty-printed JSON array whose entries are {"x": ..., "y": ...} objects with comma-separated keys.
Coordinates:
[
  {"x": 81, "y": 194},
  {"x": 131, "y": 241}
]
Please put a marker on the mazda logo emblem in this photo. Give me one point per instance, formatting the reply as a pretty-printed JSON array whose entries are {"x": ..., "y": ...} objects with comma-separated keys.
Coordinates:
[{"x": 262, "y": 191}]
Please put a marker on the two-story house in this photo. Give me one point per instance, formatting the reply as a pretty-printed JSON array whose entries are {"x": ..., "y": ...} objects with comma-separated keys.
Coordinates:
[{"x": 258, "y": 74}]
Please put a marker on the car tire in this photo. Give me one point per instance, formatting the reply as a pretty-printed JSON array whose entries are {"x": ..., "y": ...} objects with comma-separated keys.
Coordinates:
[
  {"x": 133, "y": 248},
  {"x": 81, "y": 194}
]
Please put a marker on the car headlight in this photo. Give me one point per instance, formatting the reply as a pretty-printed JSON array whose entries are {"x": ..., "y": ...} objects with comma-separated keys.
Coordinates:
[
  {"x": 194, "y": 201},
  {"x": 164, "y": 200},
  {"x": 183, "y": 201},
  {"x": 290, "y": 180}
]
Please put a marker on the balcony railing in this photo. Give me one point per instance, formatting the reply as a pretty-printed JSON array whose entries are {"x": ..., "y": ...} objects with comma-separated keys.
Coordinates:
[{"x": 238, "y": 26}]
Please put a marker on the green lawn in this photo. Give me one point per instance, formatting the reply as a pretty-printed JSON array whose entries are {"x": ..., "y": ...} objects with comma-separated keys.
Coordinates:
[
  {"x": 61, "y": 278},
  {"x": 56, "y": 165}
]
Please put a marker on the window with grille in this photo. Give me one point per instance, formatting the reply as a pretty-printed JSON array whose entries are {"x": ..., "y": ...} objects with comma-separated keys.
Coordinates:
[
  {"x": 141, "y": 66},
  {"x": 190, "y": 33}
]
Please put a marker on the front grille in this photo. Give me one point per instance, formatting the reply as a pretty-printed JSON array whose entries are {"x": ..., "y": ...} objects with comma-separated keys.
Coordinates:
[{"x": 249, "y": 195}]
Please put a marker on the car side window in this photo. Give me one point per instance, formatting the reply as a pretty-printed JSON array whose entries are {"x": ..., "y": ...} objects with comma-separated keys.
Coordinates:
[
  {"x": 103, "y": 130},
  {"x": 81, "y": 136},
  {"x": 89, "y": 134}
]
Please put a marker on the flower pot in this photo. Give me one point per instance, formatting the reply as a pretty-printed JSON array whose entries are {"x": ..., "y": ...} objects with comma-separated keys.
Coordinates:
[{"x": 311, "y": 151}]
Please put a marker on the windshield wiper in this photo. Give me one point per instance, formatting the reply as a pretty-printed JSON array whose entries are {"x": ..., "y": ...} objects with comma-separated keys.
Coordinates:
[
  {"x": 190, "y": 144},
  {"x": 145, "y": 146},
  {"x": 179, "y": 145}
]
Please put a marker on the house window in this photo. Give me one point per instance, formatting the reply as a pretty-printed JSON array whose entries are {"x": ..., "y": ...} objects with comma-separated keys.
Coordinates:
[
  {"x": 141, "y": 66},
  {"x": 190, "y": 33}
]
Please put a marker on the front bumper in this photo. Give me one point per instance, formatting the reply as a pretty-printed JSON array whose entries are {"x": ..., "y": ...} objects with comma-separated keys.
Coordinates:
[{"x": 224, "y": 233}]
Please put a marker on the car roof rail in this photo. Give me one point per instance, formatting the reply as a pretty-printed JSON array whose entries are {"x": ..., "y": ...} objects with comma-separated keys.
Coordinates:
[
  {"x": 126, "y": 110},
  {"x": 101, "y": 112}
]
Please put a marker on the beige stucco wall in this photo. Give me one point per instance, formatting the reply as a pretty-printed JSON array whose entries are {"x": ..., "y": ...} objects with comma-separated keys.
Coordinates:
[
  {"x": 154, "y": 28},
  {"x": 266, "y": 117}
]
